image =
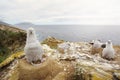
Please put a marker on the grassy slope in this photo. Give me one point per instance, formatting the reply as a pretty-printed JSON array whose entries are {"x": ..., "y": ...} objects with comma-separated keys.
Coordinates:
[{"x": 11, "y": 40}]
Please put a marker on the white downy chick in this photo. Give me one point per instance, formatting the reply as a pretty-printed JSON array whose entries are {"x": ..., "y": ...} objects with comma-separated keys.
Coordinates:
[
  {"x": 33, "y": 50},
  {"x": 97, "y": 44},
  {"x": 108, "y": 52}
]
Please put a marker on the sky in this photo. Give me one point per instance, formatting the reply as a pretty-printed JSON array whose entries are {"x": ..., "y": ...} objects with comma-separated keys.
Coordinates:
[{"x": 88, "y": 12}]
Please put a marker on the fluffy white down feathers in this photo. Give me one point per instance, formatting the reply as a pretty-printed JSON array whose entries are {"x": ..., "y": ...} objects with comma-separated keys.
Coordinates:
[
  {"x": 108, "y": 52},
  {"x": 33, "y": 49},
  {"x": 97, "y": 44}
]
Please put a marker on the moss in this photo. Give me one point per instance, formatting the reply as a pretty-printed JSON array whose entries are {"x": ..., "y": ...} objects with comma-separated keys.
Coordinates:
[
  {"x": 11, "y": 58},
  {"x": 82, "y": 73},
  {"x": 86, "y": 72}
]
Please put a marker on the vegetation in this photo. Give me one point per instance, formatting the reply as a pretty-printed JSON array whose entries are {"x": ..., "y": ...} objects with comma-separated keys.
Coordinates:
[
  {"x": 11, "y": 58},
  {"x": 10, "y": 42}
]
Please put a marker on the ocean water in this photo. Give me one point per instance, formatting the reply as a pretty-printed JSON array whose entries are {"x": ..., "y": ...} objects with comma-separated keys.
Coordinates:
[{"x": 80, "y": 32}]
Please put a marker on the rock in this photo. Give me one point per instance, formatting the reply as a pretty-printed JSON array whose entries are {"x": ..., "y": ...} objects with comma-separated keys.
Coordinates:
[
  {"x": 81, "y": 65},
  {"x": 52, "y": 42}
]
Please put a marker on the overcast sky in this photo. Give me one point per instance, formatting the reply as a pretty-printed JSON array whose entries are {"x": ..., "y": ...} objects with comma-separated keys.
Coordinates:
[{"x": 61, "y": 11}]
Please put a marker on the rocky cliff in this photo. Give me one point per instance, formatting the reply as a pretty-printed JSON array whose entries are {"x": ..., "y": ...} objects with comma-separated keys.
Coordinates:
[{"x": 75, "y": 62}]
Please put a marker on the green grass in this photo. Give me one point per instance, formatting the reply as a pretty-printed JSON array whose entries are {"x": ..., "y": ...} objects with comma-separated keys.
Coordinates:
[{"x": 10, "y": 42}]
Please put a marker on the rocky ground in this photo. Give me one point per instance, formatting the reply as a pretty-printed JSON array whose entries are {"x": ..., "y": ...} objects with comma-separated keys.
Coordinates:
[{"x": 65, "y": 61}]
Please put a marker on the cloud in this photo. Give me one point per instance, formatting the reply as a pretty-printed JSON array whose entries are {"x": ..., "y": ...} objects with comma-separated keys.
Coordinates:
[{"x": 61, "y": 11}]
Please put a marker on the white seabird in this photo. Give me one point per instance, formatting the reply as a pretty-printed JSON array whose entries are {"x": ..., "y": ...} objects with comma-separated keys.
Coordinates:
[
  {"x": 97, "y": 44},
  {"x": 108, "y": 52},
  {"x": 33, "y": 50}
]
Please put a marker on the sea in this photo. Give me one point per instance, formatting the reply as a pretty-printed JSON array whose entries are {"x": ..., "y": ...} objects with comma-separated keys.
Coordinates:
[{"x": 79, "y": 33}]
